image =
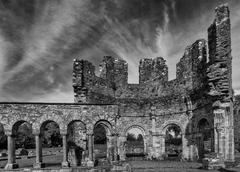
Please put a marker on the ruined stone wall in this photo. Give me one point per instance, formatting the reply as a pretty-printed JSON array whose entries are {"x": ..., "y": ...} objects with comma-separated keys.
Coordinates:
[
  {"x": 62, "y": 113},
  {"x": 88, "y": 87},
  {"x": 220, "y": 59},
  {"x": 114, "y": 70},
  {"x": 219, "y": 75},
  {"x": 153, "y": 77},
  {"x": 153, "y": 70},
  {"x": 120, "y": 72},
  {"x": 192, "y": 66},
  {"x": 202, "y": 88}
]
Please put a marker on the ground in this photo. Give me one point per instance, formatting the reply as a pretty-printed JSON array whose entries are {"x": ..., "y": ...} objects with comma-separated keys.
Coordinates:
[
  {"x": 54, "y": 161},
  {"x": 172, "y": 166}
]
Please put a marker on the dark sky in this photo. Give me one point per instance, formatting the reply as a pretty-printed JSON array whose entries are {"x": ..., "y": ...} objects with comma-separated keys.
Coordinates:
[{"x": 40, "y": 38}]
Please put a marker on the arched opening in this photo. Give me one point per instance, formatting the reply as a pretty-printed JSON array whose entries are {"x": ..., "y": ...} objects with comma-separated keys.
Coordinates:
[
  {"x": 205, "y": 138},
  {"x": 24, "y": 143},
  {"x": 3, "y": 145},
  {"x": 77, "y": 143},
  {"x": 173, "y": 142},
  {"x": 103, "y": 143},
  {"x": 51, "y": 142},
  {"x": 3, "y": 139},
  {"x": 135, "y": 143}
]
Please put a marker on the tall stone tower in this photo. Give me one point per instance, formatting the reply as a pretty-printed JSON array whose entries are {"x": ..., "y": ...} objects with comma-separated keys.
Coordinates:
[{"x": 220, "y": 82}]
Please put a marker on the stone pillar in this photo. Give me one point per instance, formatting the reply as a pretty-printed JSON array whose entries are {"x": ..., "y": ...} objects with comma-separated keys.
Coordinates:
[
  {"x": 110, "y": 147},
  {"x": 230, "y": 133},
  {"x": 162, "y": 145},
  {"x": 90, "y": 140},
  {"x": 122, "y": 148},
  {"x": 65, "y": 162},
  {"x": 185, "y": 151},
  {"x": 189, "y": 135},
  {"x": 157, "y": 145},
  {"x": 153, "y": 119},
  {"x": 38, "y": 142},
  {"x": 11, "y": 164},
  {"x": 155, "y": 138},
  {"x": 115, "y": 147}
]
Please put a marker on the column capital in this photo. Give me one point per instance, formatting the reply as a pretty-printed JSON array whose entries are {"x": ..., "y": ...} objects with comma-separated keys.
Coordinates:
[
  {"x": 8, "y": 132},
  {"x": 115, "y": 134},
  {"x": 89, "y": 132},
  {"x": 63, "y": 132},
  {"x": 36, "y": 132},
  {"x": 152, "y": 116}
]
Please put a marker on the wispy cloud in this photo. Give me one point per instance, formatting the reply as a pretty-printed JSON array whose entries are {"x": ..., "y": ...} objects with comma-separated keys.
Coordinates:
[{"x": 38, "y": 41}]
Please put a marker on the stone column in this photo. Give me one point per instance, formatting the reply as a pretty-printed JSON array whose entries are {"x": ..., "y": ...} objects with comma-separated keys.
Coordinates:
[
  {"x": 110, "y": 154},
  {"x": 156, "y": 152},
  {"x": 38, "y": 142},
  {"x": 11, "y": 164},
  {"x": 162, "y": 145},
  {"x": 65, "y": 162},
  {"x": 90, "y": 150},
  {"x": 115, "y": 147},
  {"x": 185, "y": 151},
  {"x": 219, "y": 117},
  {"x": 189, "y": 135},
  {"x": 122, "y": 148},
  {"x": 229, "y": 149}
]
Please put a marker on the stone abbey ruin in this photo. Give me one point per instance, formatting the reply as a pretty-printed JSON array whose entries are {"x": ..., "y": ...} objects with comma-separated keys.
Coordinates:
[{"x": 199, "y": 102}]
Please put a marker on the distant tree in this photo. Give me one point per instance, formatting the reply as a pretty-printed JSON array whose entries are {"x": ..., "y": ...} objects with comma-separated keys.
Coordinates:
[
  {"x": 140, "y": 137},
  {"x": 24, "y": 137},
  {"x": 51, "y": 135},
  {"x": 131, "y": 137},
  {"x": 3, "y": 140}
]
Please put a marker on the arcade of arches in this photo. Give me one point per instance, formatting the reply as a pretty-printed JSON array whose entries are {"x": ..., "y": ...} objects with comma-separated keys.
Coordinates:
[{"x": 158, "y": 137}]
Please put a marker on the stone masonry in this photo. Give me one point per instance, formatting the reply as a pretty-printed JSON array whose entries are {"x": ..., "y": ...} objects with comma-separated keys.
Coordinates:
[{"x": 199, "y": 101}]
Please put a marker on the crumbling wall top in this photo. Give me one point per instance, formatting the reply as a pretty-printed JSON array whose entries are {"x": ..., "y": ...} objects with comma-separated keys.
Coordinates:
[{"x": 221, "y": 13}]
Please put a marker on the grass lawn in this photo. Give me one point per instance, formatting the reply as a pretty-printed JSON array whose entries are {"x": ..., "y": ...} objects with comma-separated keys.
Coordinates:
[
  {"x": 172, "y": 166},
  {"x": 54, "y": 161}
]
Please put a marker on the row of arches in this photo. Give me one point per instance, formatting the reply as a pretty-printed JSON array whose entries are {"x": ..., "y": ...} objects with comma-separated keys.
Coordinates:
[
  {"x": 175, "y": 140},
  {"x": 77, "y": 138},
  {"x": 100, "y": 144}
]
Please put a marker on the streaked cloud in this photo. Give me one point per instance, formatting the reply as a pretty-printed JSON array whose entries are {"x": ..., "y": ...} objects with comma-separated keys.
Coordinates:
[{"x": 39, "y": 40}]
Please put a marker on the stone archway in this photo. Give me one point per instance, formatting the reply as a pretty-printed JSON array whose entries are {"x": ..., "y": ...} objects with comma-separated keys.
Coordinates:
[
  {"x": 51, "y": 142},
  {"x": 77, "y": 143},
  {"x": 135, "y": 144},
  {"x": 204, "y": 137},
  {"x": 173, "y": 141},
  {"x": 22, "y": 132},
  {"x": 19, "y": 137},
  {"x": 104, "y": 142},
  {"x": 162, "y": 130}
]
